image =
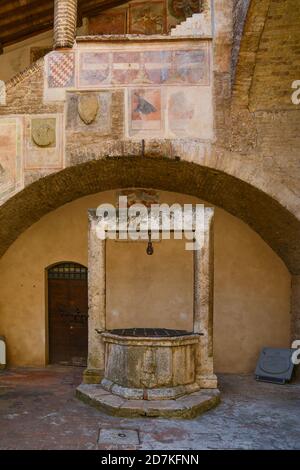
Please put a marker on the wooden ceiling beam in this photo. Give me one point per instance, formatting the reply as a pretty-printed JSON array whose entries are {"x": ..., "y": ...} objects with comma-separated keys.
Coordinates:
[
  {"x": 20, "y": 26},
  {"x": 18, "y": 30},
  {"x": 29, "y": 18},
  {"x": 13, "y": 6},
  {"x": 20, "y": 19},
  {"x": 92, "y": 6},
  {"x": 25, "y": 34}
]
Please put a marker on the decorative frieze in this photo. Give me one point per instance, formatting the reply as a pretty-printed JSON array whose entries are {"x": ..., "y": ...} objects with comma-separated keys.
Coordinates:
[{"x": 160, "y": 66}]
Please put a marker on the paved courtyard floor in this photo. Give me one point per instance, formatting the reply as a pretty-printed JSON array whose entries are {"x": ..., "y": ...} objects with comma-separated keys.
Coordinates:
[{"x": 38, "y": 410}]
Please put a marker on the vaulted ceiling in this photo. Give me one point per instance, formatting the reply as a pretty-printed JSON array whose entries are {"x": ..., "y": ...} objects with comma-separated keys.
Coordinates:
[{"x": 20, "y": 19}]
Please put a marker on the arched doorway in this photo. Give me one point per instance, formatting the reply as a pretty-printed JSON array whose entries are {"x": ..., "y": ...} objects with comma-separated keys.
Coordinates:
[{"x": 67, "y": 314}]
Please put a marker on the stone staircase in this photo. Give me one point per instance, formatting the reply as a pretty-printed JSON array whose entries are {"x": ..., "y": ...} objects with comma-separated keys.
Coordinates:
[{"x": 197, "y": 25}]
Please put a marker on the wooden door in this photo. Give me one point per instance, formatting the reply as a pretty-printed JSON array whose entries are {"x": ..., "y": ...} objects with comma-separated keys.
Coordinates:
[{"x": 68, "y": 314}]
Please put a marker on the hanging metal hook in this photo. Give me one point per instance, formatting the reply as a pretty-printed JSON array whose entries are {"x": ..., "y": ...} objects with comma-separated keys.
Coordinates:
[{"x": 150, "y": 249}]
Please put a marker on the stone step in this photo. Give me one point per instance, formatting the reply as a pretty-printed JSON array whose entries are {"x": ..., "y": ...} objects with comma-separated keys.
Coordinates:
[
  {"x": 187, "y": 406},
  {"x": 197, "y": 25}
]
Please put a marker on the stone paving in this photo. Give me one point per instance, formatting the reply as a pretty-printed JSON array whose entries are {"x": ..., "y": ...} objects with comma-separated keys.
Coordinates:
[{"x": 39, "y": 410}]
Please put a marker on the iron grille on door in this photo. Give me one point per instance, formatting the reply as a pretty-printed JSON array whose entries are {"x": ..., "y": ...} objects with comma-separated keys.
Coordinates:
[{"x": 67, "y": 271}]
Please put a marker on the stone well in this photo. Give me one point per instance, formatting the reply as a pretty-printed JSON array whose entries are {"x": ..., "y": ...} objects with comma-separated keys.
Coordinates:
[
  {"x": 151, "y": 372},
  {"x": 150, "y": 368}
]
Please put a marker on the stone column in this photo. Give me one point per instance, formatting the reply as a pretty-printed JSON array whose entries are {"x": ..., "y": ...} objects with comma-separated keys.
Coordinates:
[
  {"x": 97, "y": 304},
  {"x": 203, "y": 303},
  {"x": 65, "y": 22},
  {"x": 295, "y": 308}
]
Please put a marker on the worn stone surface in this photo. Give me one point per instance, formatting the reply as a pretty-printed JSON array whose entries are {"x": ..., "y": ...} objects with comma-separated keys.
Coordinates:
[
  {"x": 39, "y": 411},
  {"x": 119, "y": 436},
  {"x": 239, "y": 10},
  {"x": 92, "y": 376},
  {"x": 24, "y": 93},
  {"x": 43, "y": 132},
  {"x": 128, "y": 393},
  {"x": 162, "y": 393},
  {"x": 96, "y": 305},
  {"x": 88, "y": 108},
  {"x": 146, "y": 363},
  {"x": 108, "y": 125},
  {"x": 188, "y": 406},
  {"x": 44, "y": 145},
  {"x": 88, "y": 113},
  {"x": 203, "y": 303}
]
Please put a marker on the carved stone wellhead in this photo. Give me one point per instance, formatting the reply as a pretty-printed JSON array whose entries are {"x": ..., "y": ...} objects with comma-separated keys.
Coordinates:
[{"x": 65, "y": 22}]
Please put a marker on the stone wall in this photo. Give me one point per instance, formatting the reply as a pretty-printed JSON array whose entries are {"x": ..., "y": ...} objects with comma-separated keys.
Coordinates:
[{"x": 239, "y": 10}]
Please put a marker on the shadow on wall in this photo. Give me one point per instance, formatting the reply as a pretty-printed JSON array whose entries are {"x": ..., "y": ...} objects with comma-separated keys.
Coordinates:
[{"x": 252, "y": 285}]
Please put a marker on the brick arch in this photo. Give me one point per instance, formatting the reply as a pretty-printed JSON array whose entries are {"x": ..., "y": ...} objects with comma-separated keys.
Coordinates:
[{"x": 275, "y": 224}]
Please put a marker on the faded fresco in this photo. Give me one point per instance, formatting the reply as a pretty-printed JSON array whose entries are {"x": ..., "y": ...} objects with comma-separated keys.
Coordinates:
[
  {"x": 144, "y": 17},
  {"x": 147, "y": 197},
  {"x": 182, "y": 9},
  {"x": 110, "y": 22},
  {"x": 147, "y": 17},
  {"x": 2, "y": 93},
  {"x": 154, "y": 67},
  {"x": 44, "y": 146},
  {"x": 11, "y": 178},
  {"x": 145, "y": 109},
  {"x": 61, "y": 69},
  {"x": 94, "y": 69},
  {"x": 126, "y": 67},
  {"x": 189, "y": 112},
  {"x": 163, "y": 90}
]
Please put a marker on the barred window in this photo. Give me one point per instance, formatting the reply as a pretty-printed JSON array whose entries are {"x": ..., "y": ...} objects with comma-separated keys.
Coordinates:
[{"x": 67, "y": 271}]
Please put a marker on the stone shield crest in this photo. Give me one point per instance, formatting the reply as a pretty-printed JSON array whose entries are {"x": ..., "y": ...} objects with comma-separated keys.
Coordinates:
[
  {"x": 88, "y": 107},
  {"x": 43, "y": 132}
]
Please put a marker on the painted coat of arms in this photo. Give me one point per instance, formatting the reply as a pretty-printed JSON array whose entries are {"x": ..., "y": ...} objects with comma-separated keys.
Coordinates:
[{"x": 61, "y": 70}]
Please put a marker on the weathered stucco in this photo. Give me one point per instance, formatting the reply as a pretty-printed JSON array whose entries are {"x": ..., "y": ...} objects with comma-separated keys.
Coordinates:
[{"x": 252, "y": 285}]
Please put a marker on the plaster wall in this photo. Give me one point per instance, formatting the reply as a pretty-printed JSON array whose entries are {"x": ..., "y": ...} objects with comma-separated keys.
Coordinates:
[
  {"x": 18, "y": 57},
  {"x": 252, "y": 285}
]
